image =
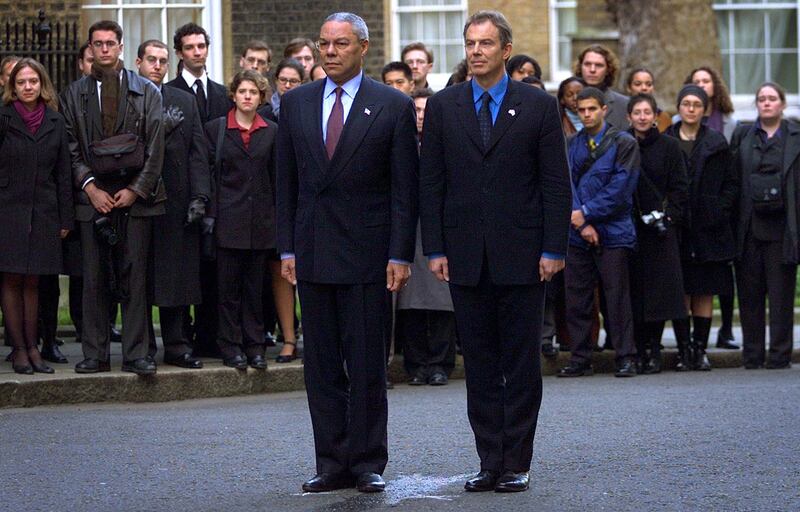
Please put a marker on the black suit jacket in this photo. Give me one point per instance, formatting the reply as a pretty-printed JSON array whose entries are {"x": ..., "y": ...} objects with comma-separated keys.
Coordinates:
[
  {"x": 511, "y": 202},
  {"x": 345, "y": 218},
  {"x": 219, "y": 103}
]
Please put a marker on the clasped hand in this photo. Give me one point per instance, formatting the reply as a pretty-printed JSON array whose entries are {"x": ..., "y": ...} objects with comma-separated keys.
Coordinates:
[{"x": 103, "y": 202}]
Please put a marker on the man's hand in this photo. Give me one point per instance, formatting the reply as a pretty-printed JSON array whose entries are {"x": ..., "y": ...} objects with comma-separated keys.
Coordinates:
[
  {"x": 99, "y": 198},
  {"x": 397, "y": 275},
  {"x": 288, "y": 270},
  {"x": 439, "y": 268},
  {"x": 124, "y": 198},
  {"x": 578, "y": 219},
  {"x": 548, "y": 268},
  {"x": 590, "y": 235}
]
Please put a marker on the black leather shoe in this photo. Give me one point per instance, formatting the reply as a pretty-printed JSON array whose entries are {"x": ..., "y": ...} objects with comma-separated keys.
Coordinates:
[
  {"x": 325, "y": 482},
  {"x": 725, "y": 339},
  {"x": 291, "y": 357},
  {"x": 626, "y": 369},
  {"x": 116, "y": 335},
  {"x": 576, "y": 370},
  {"x": 438, "y": 379},
  {"x": 778, "y": 365},
  {"x": 753, "y": 366},
  {"x": 22, "y": 370},
  {"x": 419, "y": 378},
  {"x": 701, "y": 362},
  {"x": 238, "y": 361},
  {"x": 185, "y": 360},
  {"x": 89, "y": 365},
  {"x": 370, "y": 482},
  {"x": 653, "y": 366},
  {"x": 269, "y": 339},
  {"x": 512, "y": 482},
  {"x": 727, "y": 344},
  {"x": 42, "y": 368},
  {"x": 53, "y": 354},
  {"x": 258, "y": 362},
  {"x": 139, "y": 367},
  {"x": 548, "y": 350},
  {"x": 483, "y": 481}
]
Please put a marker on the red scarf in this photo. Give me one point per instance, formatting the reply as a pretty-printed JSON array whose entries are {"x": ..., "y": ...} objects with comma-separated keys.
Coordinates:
[{"x": 32, "y": 118}]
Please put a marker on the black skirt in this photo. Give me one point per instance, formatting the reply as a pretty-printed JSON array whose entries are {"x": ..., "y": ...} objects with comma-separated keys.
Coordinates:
[
  {"x": 655, "y": 276},
  {"x": 712, "y": 278}
]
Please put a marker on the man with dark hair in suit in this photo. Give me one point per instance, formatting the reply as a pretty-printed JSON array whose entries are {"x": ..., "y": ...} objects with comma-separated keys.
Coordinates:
[
  {"x": 191, "y": 43},
  {"x": 494, "y": 209},
  {"x": 347, "y": 209},
  {"x": 176, "y": 240}
]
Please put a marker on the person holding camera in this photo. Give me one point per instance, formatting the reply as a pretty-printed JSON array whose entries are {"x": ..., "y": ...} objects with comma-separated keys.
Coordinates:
[
  {"x": 660, "y": 203},
  {"x": 766, "y": 159},
  {"x": 114, "y": 123},
  {"x": 707, "y": 243}
]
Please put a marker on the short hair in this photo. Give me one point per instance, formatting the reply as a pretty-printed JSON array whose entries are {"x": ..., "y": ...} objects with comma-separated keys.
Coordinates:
[
  {"x": 290, "y": 63},
  {"x": 612, "y": 63},
  {"x": 533, "y": 80},
  {"x": 517, "y": 61},
  {"x": 721, "y": 102},
  {"x": 297, "y": 44},
  {"x": 47, "y": 92},
  {"x": 9, "y": 59},
  {"x": 778, "y": 88},
  {"x": 109, "y": 25},
  {"x": 642, "y": 97},
  {"x": 562, "y": 87},
  {"x": 257, "y": 45},
  {"x": 633, "y": 72},
  {"x": 592, "y": 93},
  {"x": 423, "y": 92},
  {"x": 396, "y": 66},
  {"x": 82, "y": 50},
  {"x": 460, "y": 73},
  {"x": 248, "y": 75},
  {"x": 189, "y": 29},
  {"x": 497, "y": 19},
  {"x": 314, "y": 68},
  {"x": 416, "y": 46},
  {"x": 150, "y": 42},
  {"x": 357, "y": 22}
]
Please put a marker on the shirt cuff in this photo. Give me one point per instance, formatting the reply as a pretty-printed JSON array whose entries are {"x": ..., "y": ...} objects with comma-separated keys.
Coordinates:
[
  {"x": 585, "y": 211},
  {"x": 553, "y": 255},
  {"x": 87, "y": 181},
  {"x": 399, "y": 262},
  {"x": 287, "y": 255},
  {"x": 435, "y": 255}
]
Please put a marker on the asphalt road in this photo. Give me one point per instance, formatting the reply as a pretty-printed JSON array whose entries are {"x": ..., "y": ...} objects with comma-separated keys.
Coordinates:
[{"x": 724, "y": 440}]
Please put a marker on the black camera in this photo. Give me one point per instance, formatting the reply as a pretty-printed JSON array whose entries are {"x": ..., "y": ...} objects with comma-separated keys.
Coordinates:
[
  {"x": 104, "y": 230},
  {"x": 655, "y": 219}
]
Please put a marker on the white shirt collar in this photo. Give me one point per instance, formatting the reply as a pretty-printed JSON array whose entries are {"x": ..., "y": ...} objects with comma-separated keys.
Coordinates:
[
  {"x": 350, "y": 87},
  {"x": 190, "y": 79}
]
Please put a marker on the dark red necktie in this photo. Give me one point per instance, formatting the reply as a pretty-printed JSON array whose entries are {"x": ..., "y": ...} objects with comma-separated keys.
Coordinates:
[{"x": 335, "y": 124}]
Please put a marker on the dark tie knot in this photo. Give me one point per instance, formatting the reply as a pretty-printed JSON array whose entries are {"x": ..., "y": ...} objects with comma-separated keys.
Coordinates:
[{"x": 486, "y": 98}]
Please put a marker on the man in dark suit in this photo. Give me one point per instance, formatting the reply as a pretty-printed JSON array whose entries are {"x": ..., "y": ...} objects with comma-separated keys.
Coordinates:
[
  {"x": 176, "y": 240},
  {"x": 347, "y": 207},
  {"x": 191, "y": 44},
  {"x": 495, "y": 211}
]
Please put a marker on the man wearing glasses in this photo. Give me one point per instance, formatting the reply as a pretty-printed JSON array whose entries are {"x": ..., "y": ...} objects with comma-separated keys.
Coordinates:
[
  {"x": 347, "y": 210},
  {"x": 420, "y": 59}
]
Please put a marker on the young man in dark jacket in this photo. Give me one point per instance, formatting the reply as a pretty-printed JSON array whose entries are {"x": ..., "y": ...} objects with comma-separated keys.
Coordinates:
[{"x": 604, "y": 167}]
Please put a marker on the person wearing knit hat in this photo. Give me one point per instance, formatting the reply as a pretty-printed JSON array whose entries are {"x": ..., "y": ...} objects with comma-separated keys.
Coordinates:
[{"x": 694, "y": 90}]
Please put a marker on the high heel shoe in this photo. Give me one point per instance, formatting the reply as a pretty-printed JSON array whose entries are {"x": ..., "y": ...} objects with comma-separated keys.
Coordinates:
[
  {"x": 22, "y": 370},
  {"x": 291, "y": 357},
  {"x": 42, "y": 368}
]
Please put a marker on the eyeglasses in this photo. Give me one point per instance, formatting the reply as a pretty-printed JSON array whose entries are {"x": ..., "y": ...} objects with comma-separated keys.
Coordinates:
[
  {"x": 107, "y": 44},
  {"x": 288, "y": 81},
  {"x": 416, "y": 62},
  {"x": 339, "y": 44}
]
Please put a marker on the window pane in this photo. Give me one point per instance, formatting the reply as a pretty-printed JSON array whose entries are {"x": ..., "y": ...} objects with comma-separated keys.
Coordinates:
[
  {"x": 454, "y": 54},
  {"x": 723, "y": 29},
  {"x": 139, "y": 25},
  {"x": 750, "y": 72},
  {"x": 749, "y": 29},
  {"x": 782, "y": 28},
  {"x": 408, "y": 28},
  {"x": 141, "y": 2},
  {"x": 567, "y": 25},
  {"x": 784, "y": 71},
  {"x": 100, "y": 2},
  {"x": 454, "y": 25},
  {"x": 184, "y": 1},
  {"x": 430, "y": 26}
]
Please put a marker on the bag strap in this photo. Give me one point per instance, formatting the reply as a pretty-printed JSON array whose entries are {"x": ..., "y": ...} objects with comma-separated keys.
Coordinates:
[{"x": 605, "y": 144}]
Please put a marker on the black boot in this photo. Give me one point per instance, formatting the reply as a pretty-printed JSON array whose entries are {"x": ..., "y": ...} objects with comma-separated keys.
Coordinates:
[
  {"x": 640, "y": 335},
  {"x": 654, "y": 333},
  {"x": 702, "y": 326},
  {"x": 685, "y": 356}
]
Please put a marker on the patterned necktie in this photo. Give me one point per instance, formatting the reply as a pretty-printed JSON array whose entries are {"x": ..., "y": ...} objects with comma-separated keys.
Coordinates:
[
  {"x": 202, "y": 103},
  {"x": 592, "y": 145},
  {"x": 485, "y": 119},
  {"x": 335, "y": 124}
]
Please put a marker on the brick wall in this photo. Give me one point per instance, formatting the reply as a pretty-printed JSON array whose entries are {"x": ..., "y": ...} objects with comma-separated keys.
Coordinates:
[{"x": 28, "y": 12}]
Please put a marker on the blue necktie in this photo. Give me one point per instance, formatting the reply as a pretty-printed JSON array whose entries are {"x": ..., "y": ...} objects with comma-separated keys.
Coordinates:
[{"x": 485, "y": 119}]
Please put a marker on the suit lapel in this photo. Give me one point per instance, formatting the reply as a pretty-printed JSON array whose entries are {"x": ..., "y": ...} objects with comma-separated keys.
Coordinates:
[
  {"x": 312, "y": 124},
  {"x": 93, "y": 112},
  {"x": 17, "y": 123},
  {"x": 468, "y": 116},
  {"x": 509, "y": 110}
]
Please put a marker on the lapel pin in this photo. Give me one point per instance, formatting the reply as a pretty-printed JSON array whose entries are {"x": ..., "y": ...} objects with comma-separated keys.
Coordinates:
[
  {"x": 512, "y": 112},
  {"x": 367, "y": 111}
]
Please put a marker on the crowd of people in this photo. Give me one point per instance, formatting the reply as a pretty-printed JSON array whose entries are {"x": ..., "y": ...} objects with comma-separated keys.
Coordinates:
[{"x": 152, "y": 193}]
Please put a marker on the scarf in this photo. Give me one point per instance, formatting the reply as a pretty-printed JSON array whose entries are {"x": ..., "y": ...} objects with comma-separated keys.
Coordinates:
[
  {"x": 109, "y": 95},
  {"x": 32, "y": 118},
  {"x": 575, "y": 119}
]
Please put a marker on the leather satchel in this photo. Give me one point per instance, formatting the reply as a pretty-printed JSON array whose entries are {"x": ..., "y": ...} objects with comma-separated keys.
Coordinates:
[{"x": 117, "y": 156}]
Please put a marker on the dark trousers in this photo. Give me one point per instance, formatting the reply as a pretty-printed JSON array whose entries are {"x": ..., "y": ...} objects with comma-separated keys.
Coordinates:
[
  {"x": 345, "y": 374},
  {"x": 761, "y": 274},
  {"x": 584, "y": 269},
  {"x": 500, "y": 332},
  {"x": 49, "y": 293},
  {"x": 269, "y": 312},
  {"x": 97, "y": 295},
  {"x": 240, "y": 275},
  {"x": 76, "y": 304},
  {"x": 205, "y": 314},
  {"x": 173, "y": 333},
  {"x": 428, "y": 338}
]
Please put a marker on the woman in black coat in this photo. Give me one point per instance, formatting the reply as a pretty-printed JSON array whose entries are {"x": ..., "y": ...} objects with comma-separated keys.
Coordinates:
[
  {"x": 707, "y": 242},
  {"x": 243, "y": 206},
  {"x": 766, "y": 158},
  {"x": 35, "y": 203},
  {"x": 660, "y": 201}
]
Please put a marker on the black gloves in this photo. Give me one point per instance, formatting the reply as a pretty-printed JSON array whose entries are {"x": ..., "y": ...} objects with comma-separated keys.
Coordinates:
[{"x": 196, "y": 211}]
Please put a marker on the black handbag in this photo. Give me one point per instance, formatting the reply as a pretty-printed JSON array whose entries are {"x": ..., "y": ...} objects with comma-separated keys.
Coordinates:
[{"x": 117, "y": 156}]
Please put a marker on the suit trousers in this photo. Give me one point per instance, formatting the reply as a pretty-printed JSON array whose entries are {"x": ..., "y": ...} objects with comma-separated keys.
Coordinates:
[
  {"x": 428, "y": 338},
  {"x": 49, "y": 293},
  {"x": 205, "y": 314},
  {"x": 500, "y": 332},
  {"x": 240, "y": 278},
  {"x": 76, "y": 304},
  {"x": 97, "y": 297},
  {"x": 173, "y": 333},
  {"x": 761, "y": 274},
  {"x": 344, "y": 341},
  {"x": 584, "y": 269}
]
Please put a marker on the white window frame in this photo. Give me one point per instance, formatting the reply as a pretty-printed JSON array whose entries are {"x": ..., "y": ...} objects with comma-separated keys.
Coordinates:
[
  {"x": 557, "y": 75},
  {"x": 744, "y": 104},
  {"x": 437, "y": 81},
  {"x": 211, "y": 16}
]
